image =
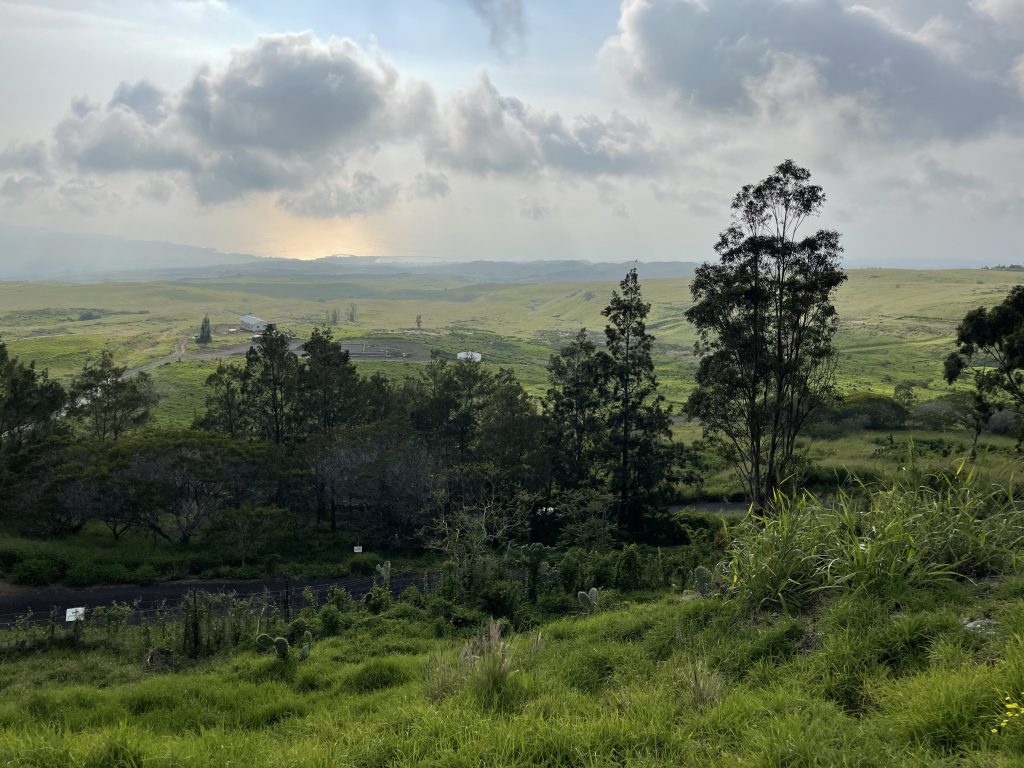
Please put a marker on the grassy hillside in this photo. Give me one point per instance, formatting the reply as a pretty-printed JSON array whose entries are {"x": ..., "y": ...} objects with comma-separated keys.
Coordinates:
[
  {"x": 896, "y": 325},
  {"x": 647, "y": 681}
]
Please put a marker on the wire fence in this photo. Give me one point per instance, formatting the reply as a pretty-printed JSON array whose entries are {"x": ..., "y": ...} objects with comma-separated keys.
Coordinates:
[{"x": 289, "y": 598}]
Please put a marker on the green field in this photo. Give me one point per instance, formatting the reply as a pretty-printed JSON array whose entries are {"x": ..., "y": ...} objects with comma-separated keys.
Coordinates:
[{"x": 896, "y": 325}]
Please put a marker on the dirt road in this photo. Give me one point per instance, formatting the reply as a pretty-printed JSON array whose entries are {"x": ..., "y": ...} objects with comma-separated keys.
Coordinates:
[
  {"x": 363, "y": 349},
  {"x": 17, "y": 601}
]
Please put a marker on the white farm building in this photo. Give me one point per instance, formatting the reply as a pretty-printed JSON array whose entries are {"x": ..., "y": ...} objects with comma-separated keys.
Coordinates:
[{"x": 253, "y": 323}]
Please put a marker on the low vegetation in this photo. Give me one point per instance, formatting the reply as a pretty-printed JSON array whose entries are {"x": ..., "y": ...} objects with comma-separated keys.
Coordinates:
[{"x": 806, "y": 648}]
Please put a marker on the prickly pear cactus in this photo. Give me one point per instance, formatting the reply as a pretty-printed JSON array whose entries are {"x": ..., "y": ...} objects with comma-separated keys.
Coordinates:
[
  {"x": 702, "y": 581},
  {"x": 264, "y": 642},
  {"x": 384, "y": 571},
  {"x": 588, "y": 600},
  {"x": 307, "y": 646}
]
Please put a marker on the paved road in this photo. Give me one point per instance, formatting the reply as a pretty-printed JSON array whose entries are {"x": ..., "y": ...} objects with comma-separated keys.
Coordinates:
[{"x": 17, "y": 601}]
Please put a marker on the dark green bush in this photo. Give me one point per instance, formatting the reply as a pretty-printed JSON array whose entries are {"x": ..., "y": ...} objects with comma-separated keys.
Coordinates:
[
  {"x": 377, "y": 600},
  {"x": 330, "y": 620},
  {"x": 37, "y": 571},
  {"x": 629, "y": 570},
  {"x": 502, "y": 598},
  {"x": 296, "y": 629}
]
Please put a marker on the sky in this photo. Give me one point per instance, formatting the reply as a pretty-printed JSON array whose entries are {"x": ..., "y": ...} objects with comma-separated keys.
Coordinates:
[{"x": 449, "y": 130}]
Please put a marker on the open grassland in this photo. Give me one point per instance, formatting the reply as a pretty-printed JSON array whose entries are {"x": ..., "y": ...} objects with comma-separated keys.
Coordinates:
[
  {"x": 649, "y": 681},
  {"x": 896, "y": 325}
]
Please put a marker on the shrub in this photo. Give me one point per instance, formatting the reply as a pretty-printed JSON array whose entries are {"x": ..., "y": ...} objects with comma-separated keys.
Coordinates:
[
  {"x": 36, "y": 571},
  {"x": 378, "y": 599},
  {"x": 340, "y": 598},
  {"x": 572, "y": 570},
  {"x": 330, "y": 620},
  {"x": 502, "y": 598},
  {"x": 628, "y": 570},
  {"x": 296, "y": 630}
]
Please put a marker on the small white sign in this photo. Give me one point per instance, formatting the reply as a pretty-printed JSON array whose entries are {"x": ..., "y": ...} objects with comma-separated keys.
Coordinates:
[
  {"x": 357, "y": 550},
  {"x": 74, "y": 614}
]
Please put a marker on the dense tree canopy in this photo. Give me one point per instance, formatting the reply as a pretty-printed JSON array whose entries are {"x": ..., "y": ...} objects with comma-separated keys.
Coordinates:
[{"x": 990, "y": 346}]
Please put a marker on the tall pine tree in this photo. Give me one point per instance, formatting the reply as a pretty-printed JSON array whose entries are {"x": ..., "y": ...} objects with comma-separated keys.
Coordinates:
[
  {"x": 575, "y": 405},
  {"x": 639, "y": 424},
  {"x": 205, "y": 334}
]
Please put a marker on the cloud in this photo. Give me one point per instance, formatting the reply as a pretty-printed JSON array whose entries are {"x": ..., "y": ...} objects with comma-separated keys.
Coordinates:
[
  {"x": 117, "y": 138},
  {"x": 533, "y": 209},
  {"x": 156, "y": 189},
  {"x": 705, "y": 54},
  {"x": 363, "y": 195},
  {"x": 24, "y": 156},
  {"x": 431, "y": 186},
  {"x": 505, "y": 21},
  {"x": 87, "y": 196},
  {"x": 143, "y": 98},
  {"x": 1005, "y": 12},
  {"x": 28, "y": 167},
  {"x": 485, "y": 133},
  {"x": 295, "y": 93},
  {"x": 284, "y": 114}
]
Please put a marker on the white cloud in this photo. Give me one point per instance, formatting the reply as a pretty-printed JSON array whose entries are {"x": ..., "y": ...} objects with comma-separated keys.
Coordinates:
[
  {"x": 486, "y": 133},
  {"x": 364, "y": 194}
]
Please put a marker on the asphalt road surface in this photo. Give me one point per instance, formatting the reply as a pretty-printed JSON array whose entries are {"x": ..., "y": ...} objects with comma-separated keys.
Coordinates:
[{"x": 17, "y": 601}]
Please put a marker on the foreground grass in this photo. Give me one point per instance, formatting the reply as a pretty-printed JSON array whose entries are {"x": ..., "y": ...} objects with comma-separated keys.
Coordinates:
[{"x": 672, "y": 680}]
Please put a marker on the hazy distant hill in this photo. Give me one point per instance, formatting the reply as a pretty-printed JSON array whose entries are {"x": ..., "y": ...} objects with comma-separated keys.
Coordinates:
[
  {"x": 27, "y": 254},
  {"x": 471, "y": 271}
]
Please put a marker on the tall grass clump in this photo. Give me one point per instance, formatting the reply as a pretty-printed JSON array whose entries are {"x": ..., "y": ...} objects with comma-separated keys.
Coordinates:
[
  {"x": 876, "y": 541},
  {"x": 493, "y": 681}
]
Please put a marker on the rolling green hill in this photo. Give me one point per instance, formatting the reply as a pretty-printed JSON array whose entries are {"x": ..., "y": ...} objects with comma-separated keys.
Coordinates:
[{"x": 896, "y": 325}]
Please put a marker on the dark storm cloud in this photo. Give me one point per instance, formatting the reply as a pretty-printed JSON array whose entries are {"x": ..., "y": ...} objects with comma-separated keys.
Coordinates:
[
  {"x": 485, "y": 133},
  {"x": 712, "y": 53}
]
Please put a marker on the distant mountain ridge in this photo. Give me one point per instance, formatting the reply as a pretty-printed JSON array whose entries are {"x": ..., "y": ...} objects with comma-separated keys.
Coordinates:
[{"x": 27, "y": 254}]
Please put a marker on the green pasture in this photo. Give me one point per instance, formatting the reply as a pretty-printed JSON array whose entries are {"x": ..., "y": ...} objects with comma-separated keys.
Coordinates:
[{"x": 896, "y": 325}]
